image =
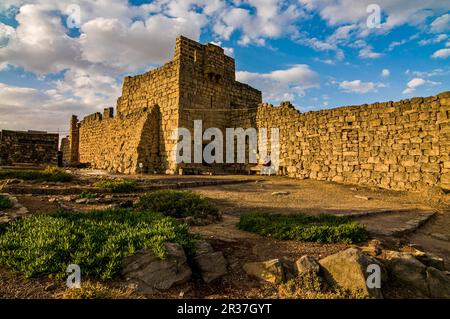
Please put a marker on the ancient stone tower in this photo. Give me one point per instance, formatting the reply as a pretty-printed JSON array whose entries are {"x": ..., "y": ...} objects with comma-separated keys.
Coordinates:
[{"x": 198, "y": 84}]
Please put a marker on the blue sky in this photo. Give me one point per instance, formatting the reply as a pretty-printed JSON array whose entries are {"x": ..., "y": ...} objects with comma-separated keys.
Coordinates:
[{"x": 69, "y": 57}]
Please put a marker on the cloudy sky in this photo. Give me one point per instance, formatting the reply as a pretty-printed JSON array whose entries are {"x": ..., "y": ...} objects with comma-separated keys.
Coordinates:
[{"x": 69, "y": 57}]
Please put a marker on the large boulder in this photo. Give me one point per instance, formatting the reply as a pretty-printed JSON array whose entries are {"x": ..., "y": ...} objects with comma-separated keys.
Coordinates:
[
  {"x": 409, "y": 270},
  {"x": 210, "y": 264},
  {"x": 270, "y": 271},
  {"x": 406, "y": 268},
  {"x": 438, "y": 283},
  {"x": 348, "y": 269},
  {"x": 149, "y": 272}
]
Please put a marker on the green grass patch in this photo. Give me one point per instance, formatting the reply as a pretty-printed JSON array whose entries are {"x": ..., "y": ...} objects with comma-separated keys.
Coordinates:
[
  {"x": 178, "y": 204},
  {"x": 51, "y": 174},
  {"x": 97, "y": 241},
  {"x": 119, "y": 186},
  {"x": 87, "y": 195},
  {"x": 5, "y": 203},
  {"x": 321, "y": 229}
]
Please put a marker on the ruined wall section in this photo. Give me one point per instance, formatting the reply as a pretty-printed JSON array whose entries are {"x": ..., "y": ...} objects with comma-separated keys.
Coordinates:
[
  {"x": 116, "y": 143},
  {"x": 156, "y": 87},
  {"x": 401, "y": 145},
  {"x": 30, "y": 147}
]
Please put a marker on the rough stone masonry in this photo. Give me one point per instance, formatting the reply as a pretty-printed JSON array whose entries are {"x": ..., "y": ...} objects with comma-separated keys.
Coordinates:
[
  {"x": 30, "y": 147},
  {"x": 401, "y": 145}
]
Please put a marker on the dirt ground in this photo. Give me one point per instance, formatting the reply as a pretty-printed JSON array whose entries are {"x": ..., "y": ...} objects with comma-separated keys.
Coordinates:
[{"x": 239, "y": 247}]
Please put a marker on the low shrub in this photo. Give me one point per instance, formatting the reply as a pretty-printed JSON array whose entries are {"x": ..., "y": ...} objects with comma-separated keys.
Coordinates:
[
  {"x": 96, "y": 241},
  {"x": 50, "y": 174},
  {"x": 178, "y": 204},
  {"x": 320, "y": 229},
  {"x": 5, "y": 203},
  {"x": 121, "y": 186},
  {"x": 87, "y": 195}
]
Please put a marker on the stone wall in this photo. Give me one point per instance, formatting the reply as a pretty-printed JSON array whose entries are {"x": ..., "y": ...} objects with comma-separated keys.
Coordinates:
[
  {"x": 28, "y": 147},
  {"x": 401, "y": 145},
  {"x": 65, "y": 150},
  {"x": 198, "y": 84},
  {"x": 209, "y": 91},
  {"x": 120, "y": 143}
]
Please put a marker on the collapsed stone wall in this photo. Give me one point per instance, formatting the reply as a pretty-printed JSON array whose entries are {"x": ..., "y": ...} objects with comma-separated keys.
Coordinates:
[
  {"x": 28, "y": 147},
  {"x": 120, "y": 143},
  {"x": 401, "y": 145},
  {"x": 65, "y": 150}
]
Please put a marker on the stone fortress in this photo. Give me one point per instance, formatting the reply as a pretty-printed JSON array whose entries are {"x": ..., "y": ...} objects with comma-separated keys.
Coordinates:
[{"x": 401, "y": 145}]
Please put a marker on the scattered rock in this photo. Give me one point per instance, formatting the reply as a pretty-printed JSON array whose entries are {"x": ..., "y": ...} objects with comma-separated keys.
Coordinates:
[
  {"x": 13, "y": 181},
  {"x": 362, "y": 197},
  {"x": 280, "y": 193},
  {"x": 52, "y": 200},
  {"x": 373, "y": 248},
  {"x": 270, "y": 271},
  {"x": 289, "y": 268},
  {"x": 150, "y": 272},
  {"x": 426, "y": 258},
  {"x": 68, "y": 198},
  {"x": 307, "y": 264},
  {"x": 211, "y": 265},
  {"x": 349, "y": 269},
  {"x": 81, "y": 201}
]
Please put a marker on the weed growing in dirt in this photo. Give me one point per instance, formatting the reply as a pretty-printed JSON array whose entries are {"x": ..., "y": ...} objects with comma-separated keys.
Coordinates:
[
  {"x": 5, "y": 203},
  {"x": 178, "y": 204},
  {"x": 309, "y": 285},
  {"x": 50, "y": 174},
  {"x": 87, "y": 195},
  {"x": 96, "y": 241},
  {"x": 320, "y": 229},
  {"x": 90, "y": 290},
  {"x": 117, "y": 186}
]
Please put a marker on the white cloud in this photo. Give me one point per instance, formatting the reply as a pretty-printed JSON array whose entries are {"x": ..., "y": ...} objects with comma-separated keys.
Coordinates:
[
  {"x": 367, "y": 53},
  {"x": 282, "y": 85},
  {"x": 437, "y": 39},
  {"x": 441, "y": 24},
  {"x": 358, "y": 86},
  {"x": 441, "y": 54},
  {"x": 385, "y": 73},
  {"x": 24, "y": 108},
  {"x": 266, "y": 19},
  {"x": 139, "y": 44},
  {"x": 39, "y": 43},
  {"x": 413, "y": 12},
  {"x": 412, "y": 85}
]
